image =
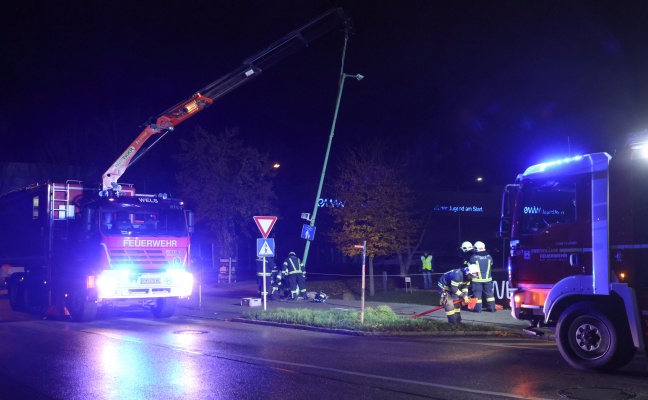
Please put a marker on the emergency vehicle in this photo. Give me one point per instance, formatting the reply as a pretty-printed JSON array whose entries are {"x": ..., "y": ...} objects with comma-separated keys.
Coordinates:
[
  {"x": 578, "y": 263},
  {"x": 78, "y": 250},
  {"x": 79, "y": 246}
]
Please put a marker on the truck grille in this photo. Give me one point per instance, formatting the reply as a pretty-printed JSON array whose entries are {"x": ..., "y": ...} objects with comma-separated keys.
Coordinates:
[{"x": 143, "y": 258}]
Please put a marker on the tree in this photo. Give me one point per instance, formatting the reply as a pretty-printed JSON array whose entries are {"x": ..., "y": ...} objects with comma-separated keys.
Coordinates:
[
  {"x": 376, "y": 205},
  {"x": 226, "y": 182}
]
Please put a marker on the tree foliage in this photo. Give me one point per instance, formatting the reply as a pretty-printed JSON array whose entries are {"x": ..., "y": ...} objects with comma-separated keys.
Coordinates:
[
  {"x": 226, "y": 183},
  {"x": 377, "y": 204}
]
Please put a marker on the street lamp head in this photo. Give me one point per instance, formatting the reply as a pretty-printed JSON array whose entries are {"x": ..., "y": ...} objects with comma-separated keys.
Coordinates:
[{"x": 357, "y": 76}]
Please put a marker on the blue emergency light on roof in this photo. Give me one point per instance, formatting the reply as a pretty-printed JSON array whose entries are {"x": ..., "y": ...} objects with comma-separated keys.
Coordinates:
[{"x": 550, "y": 164}]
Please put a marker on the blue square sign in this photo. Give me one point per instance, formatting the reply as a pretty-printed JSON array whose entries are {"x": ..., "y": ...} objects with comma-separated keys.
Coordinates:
[
  {"x": 265, "y": 247},
  {"x": 308, "y": 232}
]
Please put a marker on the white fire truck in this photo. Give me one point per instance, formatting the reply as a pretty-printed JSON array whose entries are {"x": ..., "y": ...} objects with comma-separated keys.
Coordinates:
[
  {"x": 578, "y": 263},
  {"x": 81, "y": 246}
]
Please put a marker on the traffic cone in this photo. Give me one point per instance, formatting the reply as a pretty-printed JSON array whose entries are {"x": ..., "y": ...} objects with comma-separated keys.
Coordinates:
[{"x": 57, "y": 310}]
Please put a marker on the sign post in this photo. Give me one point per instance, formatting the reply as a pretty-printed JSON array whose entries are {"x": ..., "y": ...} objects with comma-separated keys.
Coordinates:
[
  {"x": 265, "y": 248},
  {"x": 363, "y": 246}
]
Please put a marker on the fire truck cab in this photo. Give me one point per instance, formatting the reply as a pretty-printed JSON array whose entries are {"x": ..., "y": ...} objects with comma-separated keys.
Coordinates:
[
  {"x": 578, "y": 262},
  {"x": 78, "y": 251}
]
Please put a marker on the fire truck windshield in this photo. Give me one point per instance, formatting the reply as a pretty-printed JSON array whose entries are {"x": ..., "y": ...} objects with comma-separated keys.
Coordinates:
[
  {"x": 137, "y": 222},
  {"x": 547, "y": 203}
]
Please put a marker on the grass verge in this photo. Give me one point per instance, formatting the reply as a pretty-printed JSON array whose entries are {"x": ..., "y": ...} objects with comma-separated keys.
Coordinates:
[{"x": 379, "y": 319}]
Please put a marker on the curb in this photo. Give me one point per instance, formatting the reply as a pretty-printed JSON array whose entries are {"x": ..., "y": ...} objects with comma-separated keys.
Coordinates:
[{"x": 348, "y": 332}]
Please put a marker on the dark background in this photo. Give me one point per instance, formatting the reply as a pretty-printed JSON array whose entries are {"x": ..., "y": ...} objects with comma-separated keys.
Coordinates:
[{"x": 477, "y": 88}]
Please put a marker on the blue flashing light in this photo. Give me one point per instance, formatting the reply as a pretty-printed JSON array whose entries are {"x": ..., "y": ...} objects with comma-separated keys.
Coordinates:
[{"x": 551, "y": 164}]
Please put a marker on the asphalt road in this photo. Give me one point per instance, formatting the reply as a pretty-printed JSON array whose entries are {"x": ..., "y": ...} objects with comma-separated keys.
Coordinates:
[{"x": 201, "y": 353}]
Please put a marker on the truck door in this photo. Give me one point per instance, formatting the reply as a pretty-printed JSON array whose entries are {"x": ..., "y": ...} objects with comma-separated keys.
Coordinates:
[{"x": 553, "y": 222}]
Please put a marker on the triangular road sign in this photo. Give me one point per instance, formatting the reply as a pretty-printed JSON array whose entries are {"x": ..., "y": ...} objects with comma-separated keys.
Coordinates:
[{"x": 265, "y": 224}]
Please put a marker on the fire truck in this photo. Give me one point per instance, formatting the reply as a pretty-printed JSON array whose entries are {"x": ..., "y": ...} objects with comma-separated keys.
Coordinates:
[
  {"x": 79, "y": 250},
  {"x": 578, "y": 262},
  {"x": 77, "y": 247}
]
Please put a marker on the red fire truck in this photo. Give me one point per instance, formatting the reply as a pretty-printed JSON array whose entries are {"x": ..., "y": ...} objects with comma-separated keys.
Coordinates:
[
  {"x": 578, "y": 263},
  {"x": 79, "y": 250},
  {"x": 82, "y": 246}
]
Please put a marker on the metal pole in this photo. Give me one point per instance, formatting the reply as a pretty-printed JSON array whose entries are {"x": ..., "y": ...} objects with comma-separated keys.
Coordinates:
[
  {"x": 265, "y": 289},
  {"x": 200, "y": 284},
  {"x": 362, "y": 307},
  {"x": 328, "y": 148},
  {"x": 202, "y": 268}
]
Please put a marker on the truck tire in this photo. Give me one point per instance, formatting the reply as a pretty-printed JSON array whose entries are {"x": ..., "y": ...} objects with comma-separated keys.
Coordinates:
[
  {"x": 16, "y": 295},
  {"x": 164, "y": 307},
  {"x": 82, "y": 310},
  {"x": 588, "y": 339}
]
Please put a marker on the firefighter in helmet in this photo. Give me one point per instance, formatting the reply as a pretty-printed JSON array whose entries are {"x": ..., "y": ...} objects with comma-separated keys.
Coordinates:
[
  {"x": 466, "y": 252},
  {"x": 296, "y": 273},
  {"x": 453, "y": 287},
  {"x": 482, "y": 284}
]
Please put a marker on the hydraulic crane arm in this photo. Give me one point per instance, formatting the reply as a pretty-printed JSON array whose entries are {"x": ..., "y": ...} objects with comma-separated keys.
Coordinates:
[{"x": 253, "y": 66}]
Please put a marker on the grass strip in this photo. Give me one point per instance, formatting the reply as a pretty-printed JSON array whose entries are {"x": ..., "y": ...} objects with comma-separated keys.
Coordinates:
[{"x": 379, "y": 319}]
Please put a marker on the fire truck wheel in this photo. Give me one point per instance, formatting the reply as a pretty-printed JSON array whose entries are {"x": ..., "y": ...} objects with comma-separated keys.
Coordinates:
[
  {"x": 16, "y": 297},
  {"x": 164, "y": 307},
  {"x": 588, "y": 339},
  {"x": 82, "y": 310}
]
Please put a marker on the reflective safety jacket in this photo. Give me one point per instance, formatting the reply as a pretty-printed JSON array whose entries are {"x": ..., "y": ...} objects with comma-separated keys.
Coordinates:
[
  {"x": 455, "y": 282},
  {"x": 275, "y": 274},
  {"x": 485, "y": 263},
  {"x": 293, "y": 265},
  {"x": 427, "y": 263}
]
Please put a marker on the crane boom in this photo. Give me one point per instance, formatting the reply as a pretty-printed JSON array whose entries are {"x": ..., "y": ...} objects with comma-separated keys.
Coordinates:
[{"x": 203, "y": 98}]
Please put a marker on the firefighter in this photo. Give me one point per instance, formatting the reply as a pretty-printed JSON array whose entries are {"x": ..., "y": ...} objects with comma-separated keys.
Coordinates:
[
  {"x": 275, "y": 281},
  {"x": 426, "y": 267},
  {"x": 453, "y": 287},
  {"x": 261, "y": 276},
  {"x": 296, "y": 273},
  {"x": 482, "y": 284},
  {"x": 466, "y": 252}
]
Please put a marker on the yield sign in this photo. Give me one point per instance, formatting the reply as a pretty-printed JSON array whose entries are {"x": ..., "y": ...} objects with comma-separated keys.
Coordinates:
[{"x": 265, "y": 224}]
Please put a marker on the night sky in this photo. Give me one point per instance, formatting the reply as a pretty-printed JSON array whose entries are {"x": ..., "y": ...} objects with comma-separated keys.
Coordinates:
[{"x": 497, "y": 85}]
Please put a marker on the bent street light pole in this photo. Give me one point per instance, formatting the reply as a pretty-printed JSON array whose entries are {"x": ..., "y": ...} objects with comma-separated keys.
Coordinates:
[{"x": 326, "y": 156}]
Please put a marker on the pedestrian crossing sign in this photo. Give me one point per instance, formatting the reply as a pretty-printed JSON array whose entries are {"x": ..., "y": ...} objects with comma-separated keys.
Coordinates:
[{"x": 265, "y": 247}]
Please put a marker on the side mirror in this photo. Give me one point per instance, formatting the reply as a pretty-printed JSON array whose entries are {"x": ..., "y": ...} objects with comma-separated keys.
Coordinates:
[
  {"x": 190, "y": 220},
  {"x": 508, "y": 203}
]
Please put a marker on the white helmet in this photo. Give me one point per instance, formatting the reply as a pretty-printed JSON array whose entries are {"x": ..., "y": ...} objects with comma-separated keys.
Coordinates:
[
  {"x": 472, "y": 269},
  {"x": 466, "y": 247},
  {"x": 480, "y": 246}
]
